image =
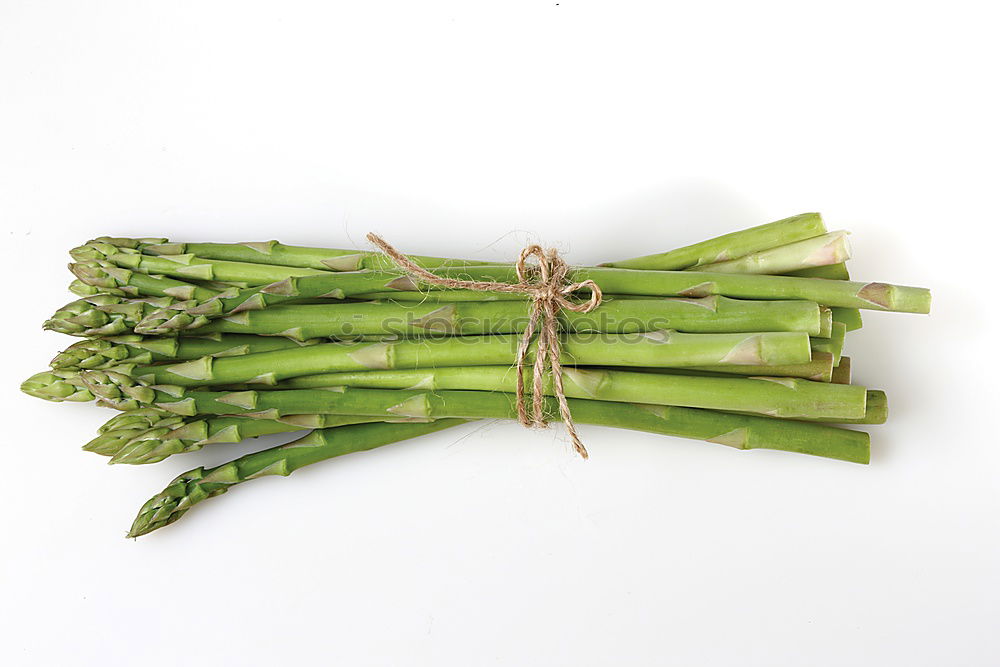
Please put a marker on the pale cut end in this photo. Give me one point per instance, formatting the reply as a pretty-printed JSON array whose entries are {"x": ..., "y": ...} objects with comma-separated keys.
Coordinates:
[{"x": 836, "y": 250}]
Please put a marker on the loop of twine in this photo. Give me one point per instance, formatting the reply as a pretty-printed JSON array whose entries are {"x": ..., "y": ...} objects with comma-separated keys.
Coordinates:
[{"x": 549, "y": 294}]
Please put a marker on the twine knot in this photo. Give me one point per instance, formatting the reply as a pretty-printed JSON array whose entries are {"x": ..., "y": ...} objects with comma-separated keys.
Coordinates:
[{"x": 547, "y": 286}]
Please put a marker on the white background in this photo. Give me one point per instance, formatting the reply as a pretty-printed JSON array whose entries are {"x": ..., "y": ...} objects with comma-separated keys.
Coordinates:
[{"x": 467, "y": 128}]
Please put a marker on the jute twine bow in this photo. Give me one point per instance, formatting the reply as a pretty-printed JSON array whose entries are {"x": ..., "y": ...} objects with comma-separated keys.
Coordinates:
[{"x": 549, "y": 293}]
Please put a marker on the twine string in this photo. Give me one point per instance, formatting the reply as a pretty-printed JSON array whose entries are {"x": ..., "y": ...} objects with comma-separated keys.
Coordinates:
[{"x": 549, "y": 294}]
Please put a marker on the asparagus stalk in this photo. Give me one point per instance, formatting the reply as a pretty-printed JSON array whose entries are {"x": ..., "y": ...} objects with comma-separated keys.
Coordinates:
[
  {"x": 290, "y": 290},
  {"x": 831, "y": 272},
  {"x": 383, "y": 403},
  {"x": 876, "y": 296},
  {"x": 787, "y": 397},
  {"x": 739, "y": 431},
  {"x": 113, "y": 351},
  {"x": 849, "y": 317},
  {"x": 730, "y": 246},
  {"x": 834, "y": 293},
  {"x": 828, "y": 249},
  {"x": 196, "y": 485},
  {"x": 187, "y": 266},
  {"x": 274, "y": 253},
  {"x": 178, "y": 435},
  {"x": 842, "y": 371},
  {"x": 704, "y": 315},
  {"x": 877, "y": 408},
  {"x": 876, "y": 411},
  {"x": 833, "y": 345},
  {"x": 63, "y": 383},
  {"x": 819, "y": 369},
  {"x": 657, "y": 348}
]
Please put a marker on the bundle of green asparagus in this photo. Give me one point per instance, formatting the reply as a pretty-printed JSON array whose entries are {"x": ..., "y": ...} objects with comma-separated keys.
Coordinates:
[{"x": 737, "y": 340}]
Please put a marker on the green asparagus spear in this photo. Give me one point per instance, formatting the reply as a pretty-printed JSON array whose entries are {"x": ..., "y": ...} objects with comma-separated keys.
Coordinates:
[
  {"x": 786, "y": 397},
  {"x": 828, "y": 249},
  {"x": 113, "y": 351},
  {"x": 739, "y": 431},
  {"x": 198, "y": 484},
  {"x": 274, "y": 253},
  {"x": 831, "y": 272},
  {"x": 876, "y": 296},
  {"x": 187, "y": 266},
  {"x": 848, "y": 316},
  {"x": 656, "y": 348},
  {"x": 730, "y": 246},
  {"x": 104, "y": 315},
  {"x": 178, "y": 435},
  {"x": 704, "y": 315},
  {"x": 820, "y": 369},
  {"x": 107, "y": 276},
  {"x": 876, "y": 412}
]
